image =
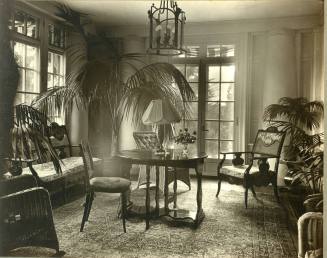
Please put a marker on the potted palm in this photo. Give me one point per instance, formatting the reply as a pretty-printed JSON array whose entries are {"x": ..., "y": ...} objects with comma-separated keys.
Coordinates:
[
  {"x": 299, "y": 118},
  {"x": 96, "y": 79},
  {"x": 303, "y": 154}
]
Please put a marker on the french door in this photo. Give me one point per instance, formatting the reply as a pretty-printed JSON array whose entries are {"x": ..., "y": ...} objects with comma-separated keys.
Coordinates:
[{"x": 212, "y": 112}]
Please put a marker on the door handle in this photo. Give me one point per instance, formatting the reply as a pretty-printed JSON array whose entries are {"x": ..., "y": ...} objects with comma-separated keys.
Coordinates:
[{"x": 204, "y": 129}]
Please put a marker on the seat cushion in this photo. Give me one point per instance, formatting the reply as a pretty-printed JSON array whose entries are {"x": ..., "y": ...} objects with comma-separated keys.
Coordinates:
[
  {"x": 237, "y": 171},
  {"x": 110, "y": 184}
]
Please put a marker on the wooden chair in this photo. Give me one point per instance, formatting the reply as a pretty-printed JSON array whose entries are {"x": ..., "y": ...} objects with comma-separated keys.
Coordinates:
[
  {"x": 101, "y": 184},
  {"x": 149, "y": 141},
  {"x": 268, "y": 145},
  {"x": 26, "y": 215}
]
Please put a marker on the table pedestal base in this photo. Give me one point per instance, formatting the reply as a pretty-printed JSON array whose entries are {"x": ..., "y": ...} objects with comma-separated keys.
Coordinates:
[{"x": 184, "y": 218}]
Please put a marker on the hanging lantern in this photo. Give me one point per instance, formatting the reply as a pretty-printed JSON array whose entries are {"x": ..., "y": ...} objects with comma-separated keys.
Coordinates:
[{"x": 166, "y": 36}]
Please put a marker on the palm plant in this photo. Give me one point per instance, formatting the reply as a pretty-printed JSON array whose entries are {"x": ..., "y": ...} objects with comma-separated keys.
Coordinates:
[
  {"x": 299, "y": 118},
  {"x": 96, "y": 79}
]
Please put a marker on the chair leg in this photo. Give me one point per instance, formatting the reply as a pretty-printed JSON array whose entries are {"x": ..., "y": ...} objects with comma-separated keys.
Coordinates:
[
  {"x": 253, "y": 192},
  {"x": 246, "y": 197},
  {"x": 219, "y": 186},
  {"x": 123, "y": 209},
  {"x": 90, "y": 205},
  {"x": 276, "y": 191},
  {"x": 86, "y": 207}
]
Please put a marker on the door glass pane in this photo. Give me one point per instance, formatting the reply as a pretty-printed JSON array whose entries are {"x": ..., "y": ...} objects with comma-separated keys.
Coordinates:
[
  {"x": 192, "y": 108},
  {"x": 227, "y": 111},
  {"x": 227, "y": 130},
  {"x": 227, "y": 91},
  {"x": 212, "y": 110},
  {"x": 212, "y": 127},
  {"x": 211, "y": 148},
  {"x": 228, "y": 73},
  {"x": 195, "y": 88},
  {"x": 226, "y": 146},
  {"x": 214, "y": 73},
  {"x": 31, "y": 57},
  {"x": 192, "y": 73},
  {"x": 181, "y": 68},
  {"x": 213, "y": 91},
  {"x": 24, "y": 98}
]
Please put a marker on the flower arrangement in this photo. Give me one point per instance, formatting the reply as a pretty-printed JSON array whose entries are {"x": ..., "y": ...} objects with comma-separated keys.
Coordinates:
[{"x": 184, "y": 137}]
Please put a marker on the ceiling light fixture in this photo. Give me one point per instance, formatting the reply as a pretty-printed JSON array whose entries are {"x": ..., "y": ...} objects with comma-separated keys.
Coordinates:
[{"x": 166, "y": 29}]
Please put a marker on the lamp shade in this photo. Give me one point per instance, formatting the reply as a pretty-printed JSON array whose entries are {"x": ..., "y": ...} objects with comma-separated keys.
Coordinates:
[{"x": 160, "y": 112}]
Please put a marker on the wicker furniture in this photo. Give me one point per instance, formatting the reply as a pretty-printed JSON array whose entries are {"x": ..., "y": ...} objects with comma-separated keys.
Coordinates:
[
  {"x": 149, "y": 141},
  {"x": 26, "y": 215},
  {"x": 268, "y": 145},
  {"x": 101, "y": 184},
  {"x": 310, "y": 235}
]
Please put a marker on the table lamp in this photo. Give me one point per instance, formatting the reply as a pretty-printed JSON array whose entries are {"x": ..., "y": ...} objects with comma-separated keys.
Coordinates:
[{"x": 160, "y": 112}]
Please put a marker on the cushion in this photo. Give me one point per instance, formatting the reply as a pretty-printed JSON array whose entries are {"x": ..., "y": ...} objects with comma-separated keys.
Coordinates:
[
  {"x": 237, "y": 171},
  {"x": 110, "y": 184}
]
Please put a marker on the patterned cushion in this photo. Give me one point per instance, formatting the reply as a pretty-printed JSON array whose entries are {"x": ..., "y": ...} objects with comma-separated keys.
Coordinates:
[
  {"x": 237, "y": 171},
  {"x": 71, "y": 165},
  {"x": 110, "y": 184}
]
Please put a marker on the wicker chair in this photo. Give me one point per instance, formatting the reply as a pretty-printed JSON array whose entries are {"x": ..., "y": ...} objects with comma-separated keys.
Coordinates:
[
  {"x": 149, "y": 141},
  {"x": 310, "y": 235},
  {"x": 26, "y": 215},
  {"x": 268, "y": 145},
  {"x": 101, "y": 184}
]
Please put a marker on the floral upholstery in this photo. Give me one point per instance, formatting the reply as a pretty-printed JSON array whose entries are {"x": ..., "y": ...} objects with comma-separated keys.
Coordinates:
[
  {"x": 69, "y": 166},
  {"x": 237, "y": 171},
  {"x": 110, "y": 184}
]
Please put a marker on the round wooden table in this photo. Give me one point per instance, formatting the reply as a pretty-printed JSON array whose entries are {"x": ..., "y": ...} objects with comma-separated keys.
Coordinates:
[{"x": 172, "y": 159}]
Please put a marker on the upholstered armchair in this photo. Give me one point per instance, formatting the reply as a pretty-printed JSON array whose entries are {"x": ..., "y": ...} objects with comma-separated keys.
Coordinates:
[
  {"x": 25, "y": 215},
  {"x": 267, "y": 146}
]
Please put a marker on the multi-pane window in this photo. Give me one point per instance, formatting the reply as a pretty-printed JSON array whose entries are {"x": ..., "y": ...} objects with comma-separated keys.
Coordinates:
[
  {"x": 28, "y": 61},
  {"x": 34, "y": 46}
]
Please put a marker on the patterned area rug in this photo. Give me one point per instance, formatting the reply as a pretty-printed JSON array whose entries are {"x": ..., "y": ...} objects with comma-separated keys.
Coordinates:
[{"x": 228, "y": 230}]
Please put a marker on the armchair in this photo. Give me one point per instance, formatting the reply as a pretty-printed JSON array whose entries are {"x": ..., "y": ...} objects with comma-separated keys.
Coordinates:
[
  {"x": 268, "y": 145},
  {"x": 26, "y": 215}
]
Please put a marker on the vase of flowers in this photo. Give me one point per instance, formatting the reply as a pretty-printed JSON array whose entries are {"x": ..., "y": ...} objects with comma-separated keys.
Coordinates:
[{"x": 185, "y": 138}]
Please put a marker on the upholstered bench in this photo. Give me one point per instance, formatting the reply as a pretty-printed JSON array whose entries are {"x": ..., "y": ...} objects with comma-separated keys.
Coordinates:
[{"x": 72, "y": 173}]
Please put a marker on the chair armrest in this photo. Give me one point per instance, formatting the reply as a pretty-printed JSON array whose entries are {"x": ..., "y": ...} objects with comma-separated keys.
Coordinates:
[
  {"x": 236, "y": 152},
  {"x": 16, "y": 184},
  {"x": 24, "y": 205},
  {"x": 263, "y": 156}
]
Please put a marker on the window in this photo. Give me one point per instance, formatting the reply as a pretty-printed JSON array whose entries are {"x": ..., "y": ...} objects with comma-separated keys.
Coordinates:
[
  {"x": 37, "y": 41},
  {"x": 28, "y": 59}
]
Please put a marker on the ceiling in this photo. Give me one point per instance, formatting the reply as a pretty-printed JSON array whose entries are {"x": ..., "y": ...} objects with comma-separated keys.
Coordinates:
[{"x": 124, "y": 12}]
